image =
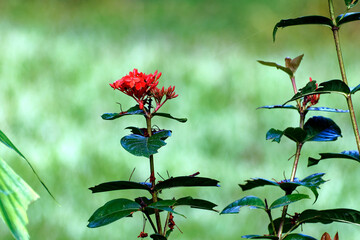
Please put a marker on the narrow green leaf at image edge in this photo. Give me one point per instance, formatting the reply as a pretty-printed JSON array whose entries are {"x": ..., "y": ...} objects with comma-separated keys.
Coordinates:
[
  {"x": 5, "y": 140},
  {"x": 15, "y": 196}
]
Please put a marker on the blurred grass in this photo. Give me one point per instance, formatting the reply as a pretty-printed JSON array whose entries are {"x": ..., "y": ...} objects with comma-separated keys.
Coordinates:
[{"x": 57, "y": 58}]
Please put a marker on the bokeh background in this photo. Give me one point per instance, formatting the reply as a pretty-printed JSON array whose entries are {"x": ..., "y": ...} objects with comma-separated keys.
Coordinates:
[{"x": 57, "y": 59}]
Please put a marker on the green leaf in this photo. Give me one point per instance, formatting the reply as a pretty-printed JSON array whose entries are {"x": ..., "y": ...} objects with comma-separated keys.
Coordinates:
[
  {"x": 157, "y": 236},
  {"x": 296, "y": 134},
  {"x": 351, "y": 3},
  {"x": 112, "y": 211},
  {"x": 120, "y": 185},
  {"x": 274, "y": 135},
  {"x": 298, "y": 236},
  {"x": 348, "y": 17},
  {"x": 355, "y": 89},
  {"x": 288, "y": 199},
  {"x": 329, "y": 216},
  {"x": 311, "y": 182},
  {"x": 164, "y": 205},
  {"x": 259, "y": 237},
  {"x": 286, "y": 227},
  {"x": 322, "y": 109},
  {"x": 5, "y": 140},
  {"x": 272, "y": 64},
  {"x": 352, "y": 155},
  {"x": 332, "y": 86},
  {"x": 145, "y": 146},
  {"x": 167, "y": 115},
  {"x": 195, "y": 203},
  {"x": 249, "y": 201},
  {"x": 186, "y": 181},
  {"x": 320, "y": 129},
  {"x": 320, "y": 20},
  {"x": 131, "y": 111},
  {"x": 15, "y": 196}
]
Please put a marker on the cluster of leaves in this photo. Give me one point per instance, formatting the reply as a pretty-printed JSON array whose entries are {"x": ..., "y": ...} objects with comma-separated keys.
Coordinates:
[{"x": 317, "y": 128}]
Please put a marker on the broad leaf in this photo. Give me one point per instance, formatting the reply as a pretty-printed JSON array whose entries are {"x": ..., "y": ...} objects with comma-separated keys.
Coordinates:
[
  {"x": 352, "y": 155},
  {"x": 274, "y": 135},
  {"x": 195, "y": 203},
  {"x": 259, "y": 237},
  {"x": 15, "y": 196},
  {"x": 311, "y": 182},
  {"x": 288, "y": 199},
  {"x": 248, "y": 201},
  {"x": 329, "y": 216},
  {"x": 145, "y": 146},
  {"x": 120, "y": 185},
  {"x": 320, "y": 129},
  {"x": 272, "y": 64},
  {"x": 157, "y": 236},
  {"x": 164, "y": 205},
  {"x": 355, "y": 89},
  {"x": 349, "y": 17},
  {"x": 298, "y": 236},
  {"x": 112, "y": 211},
  {"x": 332, "y": 86},
  {"x": 320, "y": 20},
  {"x": 288, "y": 224},
  {"x": 167, "y": 115},
  {"x": 296, "y": 134},
  {"x": 186, "y": 181},
  {"x": 351, "y": 3},
  {"x": 131, "y": 111},
  {"x": 321, "y": 109}
]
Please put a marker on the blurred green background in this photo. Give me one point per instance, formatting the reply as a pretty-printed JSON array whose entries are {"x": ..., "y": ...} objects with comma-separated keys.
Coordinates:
[{"x": 58, "y": 57}]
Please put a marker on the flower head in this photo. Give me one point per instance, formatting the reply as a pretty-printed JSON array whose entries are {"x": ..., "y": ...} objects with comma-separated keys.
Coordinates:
[
  {"x": 313, "y": 99},
  {"x": 137, "y": 85},
  {"x": 142, "y": 235}
]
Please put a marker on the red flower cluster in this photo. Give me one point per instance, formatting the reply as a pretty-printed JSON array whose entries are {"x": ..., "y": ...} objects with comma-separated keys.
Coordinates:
[
  {"x": 137, "y": 85},
  {"x": 142, "y": 235},
  {"x": 313, "y": 99},
  {"x": 141, "y": 86},
  {"x": 171, "y": 222}
]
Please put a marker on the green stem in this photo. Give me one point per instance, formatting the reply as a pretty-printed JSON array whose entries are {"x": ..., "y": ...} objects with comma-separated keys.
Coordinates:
[
  {"x": 151, "y": 222},
  {"x": 152, "y": 178},
  {"x": 335, "y": 31},
  {"x": 268, "y": 211},
  {"x": 293, "y": 173}
]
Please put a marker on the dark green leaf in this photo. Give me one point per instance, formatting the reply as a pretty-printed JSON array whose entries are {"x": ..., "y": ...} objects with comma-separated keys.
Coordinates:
[
  {"x": 320, "y": 20},
  {"x": 312, "y": 182},
  {"x": 167, "y": 115},
  {"x": 5, "y": 140},
  {"x": 279, "y": 106},
  {"x": 131, "y": 111},
  {"x": 298, "y": 236},
  {"x": 187, "y": 181},
  {"x": 157, "y": 236},
  {"x": 332, "y": 86},
  {"x": 329, "y": 216},
  {"x": 259, "y": 237},
  {"x": 164, "y": 205},
  {"x": 249, "y": 201},
  {"x": 326, "y": 109},
  {"x": 320, "y": 128},
  {"x": 352, "y": 155},
  {"x": 120, "y": 185},
  {"x": 288, "y": 199},
  {"x": 272, "y": 64},
  {"x": 296, "y": 134},
  {"x": 274, "y": 135},
  {"x": 195, "y": 203},
  {"x": 355, "y": 89},
  {"x": 349, "y": 17},
  {"x": 15, "y": 197},
  {"x": 136, "y": 130},
  {"x": 145, "y": 146},
  {"x": 112, "y": 211},
  {"x": 351, "y": 3}
]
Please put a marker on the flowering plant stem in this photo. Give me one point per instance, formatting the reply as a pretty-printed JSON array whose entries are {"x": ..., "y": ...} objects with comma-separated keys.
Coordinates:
[
  {"x": 152, "y": 177},
  {"x": 335, "y": 31}
]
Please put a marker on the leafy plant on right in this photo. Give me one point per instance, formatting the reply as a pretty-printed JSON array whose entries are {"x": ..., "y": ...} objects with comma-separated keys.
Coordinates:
[{"x": 316, "y": 128}]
